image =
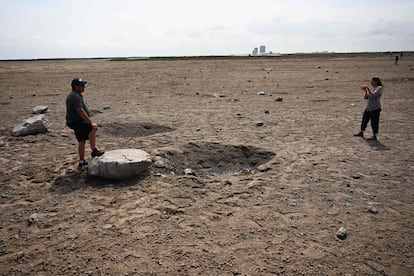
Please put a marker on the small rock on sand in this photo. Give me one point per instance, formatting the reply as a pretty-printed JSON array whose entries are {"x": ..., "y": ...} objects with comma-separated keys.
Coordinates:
[
  {"x": 189, "y": 171},
  {"x": 33, "y": 218},
  {"x": 341, "y": 233},
  {"x": 373, "y": 209},
  {"x": 40, "y": 109},
  {"x": 263, "y": 168}
]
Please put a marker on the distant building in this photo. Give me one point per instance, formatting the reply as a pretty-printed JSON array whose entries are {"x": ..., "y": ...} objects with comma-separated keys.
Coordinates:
[{"x": 262, "y": 50}]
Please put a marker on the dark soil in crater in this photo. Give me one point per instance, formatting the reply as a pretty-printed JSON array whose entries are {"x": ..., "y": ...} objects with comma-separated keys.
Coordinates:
[
  {"x": 208, "y": 160},
  {"x": 133, "y": 129}
]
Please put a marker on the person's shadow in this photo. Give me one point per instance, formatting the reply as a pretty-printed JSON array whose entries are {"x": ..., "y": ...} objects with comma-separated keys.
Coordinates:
[
  {"x": 75, "y": 179},
  {"x": 376, "y": 145}
]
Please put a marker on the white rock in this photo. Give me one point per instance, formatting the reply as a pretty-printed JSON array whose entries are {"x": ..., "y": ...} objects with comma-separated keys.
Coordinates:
[
  {"x": 33, "y": 218},
  {"x": 373, "y": 209},
  {"x": 263, "y": 168},
  {"x": 341, "y": 233},
  {"x": 189, "y": 171},
  {"x": 160, "y": 162},
  {"x": 120, "y": 164},
  {"x": 19, "y": 255},
  {"x": 31, "y": 126},
  {"x": 40, "y": 109},
  {"x": 261, "y": 93}
]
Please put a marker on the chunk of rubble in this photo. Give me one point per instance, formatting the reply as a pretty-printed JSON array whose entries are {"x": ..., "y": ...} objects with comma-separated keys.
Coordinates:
[{"x": 31, "y": 126}]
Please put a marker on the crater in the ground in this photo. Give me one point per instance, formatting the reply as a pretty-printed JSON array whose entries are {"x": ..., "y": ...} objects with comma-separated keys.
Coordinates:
[
  {"x": 133, "y": 129},
  {"x": 208, "y": 160}
]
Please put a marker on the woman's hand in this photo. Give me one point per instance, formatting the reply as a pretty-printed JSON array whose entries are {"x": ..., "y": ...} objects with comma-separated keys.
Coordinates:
[{"x": 366, "y": 89}]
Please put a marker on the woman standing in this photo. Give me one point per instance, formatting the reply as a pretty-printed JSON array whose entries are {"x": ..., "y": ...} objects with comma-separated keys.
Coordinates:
[{"x": 373, "y": 109}]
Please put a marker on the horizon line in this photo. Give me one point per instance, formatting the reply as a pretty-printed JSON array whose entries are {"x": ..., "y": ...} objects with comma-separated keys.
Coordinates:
[{"x": 260, "y": 55}]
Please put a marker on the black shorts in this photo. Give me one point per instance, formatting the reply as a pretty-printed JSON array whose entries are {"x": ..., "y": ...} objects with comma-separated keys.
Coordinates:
[{"x": 82, "y": 131}]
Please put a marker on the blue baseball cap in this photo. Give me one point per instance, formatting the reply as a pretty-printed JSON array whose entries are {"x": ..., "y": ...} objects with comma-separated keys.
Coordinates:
[{"x": 78, "y": 81}]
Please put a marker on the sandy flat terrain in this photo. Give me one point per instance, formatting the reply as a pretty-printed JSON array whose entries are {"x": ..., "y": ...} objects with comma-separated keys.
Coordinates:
[{"x": 273, "y": 180}]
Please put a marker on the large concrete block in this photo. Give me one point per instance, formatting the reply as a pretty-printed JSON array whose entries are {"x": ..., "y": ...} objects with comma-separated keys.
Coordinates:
[{"x": 120, "y": 164}]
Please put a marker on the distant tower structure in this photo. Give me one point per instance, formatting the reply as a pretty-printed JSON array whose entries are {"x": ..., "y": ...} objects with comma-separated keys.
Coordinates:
[
  {"x": 254, "y": 51},
  {"x": 262, "y": 50}
]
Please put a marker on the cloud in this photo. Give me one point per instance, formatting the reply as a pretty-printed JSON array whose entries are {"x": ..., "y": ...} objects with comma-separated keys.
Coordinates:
[
  {"x": 76, "y": 28},
  {"x": 391, "y": 28}
]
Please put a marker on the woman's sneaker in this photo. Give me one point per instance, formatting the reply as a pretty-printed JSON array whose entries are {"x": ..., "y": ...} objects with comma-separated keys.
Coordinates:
[{"x": 359, "y": 134}]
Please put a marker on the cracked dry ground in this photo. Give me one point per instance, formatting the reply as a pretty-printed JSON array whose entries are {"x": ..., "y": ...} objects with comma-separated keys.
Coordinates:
[{"x": 273, "y": 183}]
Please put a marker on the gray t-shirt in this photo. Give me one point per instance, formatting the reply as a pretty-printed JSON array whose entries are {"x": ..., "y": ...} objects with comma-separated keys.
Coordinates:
[
  {"x": 73, "y": 101},
  {"x": 374, "y": 99}
]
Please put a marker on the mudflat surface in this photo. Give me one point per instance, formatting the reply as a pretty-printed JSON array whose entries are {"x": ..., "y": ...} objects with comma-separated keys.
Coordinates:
[{"x": 270, "y": 182}]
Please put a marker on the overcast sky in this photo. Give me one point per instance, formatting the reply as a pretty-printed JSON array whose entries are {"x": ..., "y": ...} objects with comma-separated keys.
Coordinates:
[{"x": 108, "y": 28}]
